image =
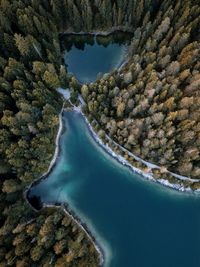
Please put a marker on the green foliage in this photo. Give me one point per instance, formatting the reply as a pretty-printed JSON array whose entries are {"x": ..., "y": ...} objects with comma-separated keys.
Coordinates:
[
  {"x": 150, "y": 106},
  {"x": 30, "y": 72}
]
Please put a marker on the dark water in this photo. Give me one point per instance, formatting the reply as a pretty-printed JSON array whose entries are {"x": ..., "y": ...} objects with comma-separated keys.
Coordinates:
[
  {"x": 138, "y": 223},
  {"x": 89, "y": 57}
]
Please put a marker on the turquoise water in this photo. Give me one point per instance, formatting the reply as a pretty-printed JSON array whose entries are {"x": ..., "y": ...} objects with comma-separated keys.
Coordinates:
[
  {"x": 89, "y": 57},
  {"x": 137, "y": 222}
]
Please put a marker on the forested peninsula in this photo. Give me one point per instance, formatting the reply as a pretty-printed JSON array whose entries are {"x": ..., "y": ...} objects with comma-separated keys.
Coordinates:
[{"x": 150, "y": 107}]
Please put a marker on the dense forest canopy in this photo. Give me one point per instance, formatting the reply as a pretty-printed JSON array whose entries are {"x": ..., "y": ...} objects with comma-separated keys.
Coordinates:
[{"x": 151, "y": 107}]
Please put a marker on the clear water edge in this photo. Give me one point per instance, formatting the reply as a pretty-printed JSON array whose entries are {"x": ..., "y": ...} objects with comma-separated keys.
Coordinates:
[
  {"x": 95, "y": 59},
  {"x": 128, "y": 216},
  {"x": 69, "y": 188}
]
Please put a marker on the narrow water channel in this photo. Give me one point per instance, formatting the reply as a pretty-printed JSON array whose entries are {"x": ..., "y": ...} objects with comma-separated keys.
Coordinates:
[{"x": 138, "y": 223}]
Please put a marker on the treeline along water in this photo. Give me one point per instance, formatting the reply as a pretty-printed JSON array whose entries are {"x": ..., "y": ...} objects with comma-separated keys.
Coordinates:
[
  {"x": 143, "y": 224},
  {"x": 89, "y": 56}
]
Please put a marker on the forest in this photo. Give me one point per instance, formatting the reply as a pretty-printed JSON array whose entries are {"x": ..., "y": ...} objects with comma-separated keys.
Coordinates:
[{"x": 151, "y": 107}]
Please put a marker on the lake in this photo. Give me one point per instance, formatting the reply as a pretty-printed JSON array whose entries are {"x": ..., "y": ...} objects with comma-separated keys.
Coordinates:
[
  {"x": 88, "y": 57},
  {"x": 137, "y": 222}
]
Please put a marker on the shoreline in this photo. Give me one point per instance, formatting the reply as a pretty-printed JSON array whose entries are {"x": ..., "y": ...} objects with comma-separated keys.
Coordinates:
[
  {"x": 65, "y": 206},
  {"x": 106, "y": 33},
  {"x": 152, "y": 165},
  {"x": 53, "y": 160},
  {"x": 148, "y": 176},
  {"x": 155, "y": 176},
  {"x": 100, "y": 32},
  {"x": 83, "y": 226},
  {"x": 122, "y": 160}
]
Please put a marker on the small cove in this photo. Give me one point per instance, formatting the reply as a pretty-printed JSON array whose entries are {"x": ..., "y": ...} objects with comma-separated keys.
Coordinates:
[{"x": 137, "y": 223}]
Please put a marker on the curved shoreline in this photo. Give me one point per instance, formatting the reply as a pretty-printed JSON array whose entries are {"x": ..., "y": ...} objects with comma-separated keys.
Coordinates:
[
  {"x": 151, "y": 166},
  {"x": 122, "y": 160},
  {"x": 81, "y": 225},
  {"x": 125, "y": 162},
  {"x": 119, "y": 158},
  {"x": 100, "y": 33},
  {"x": 57, "y": 148},
  {"x": 64, "y": 206},
  {"x": 119, "y": 29}
]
